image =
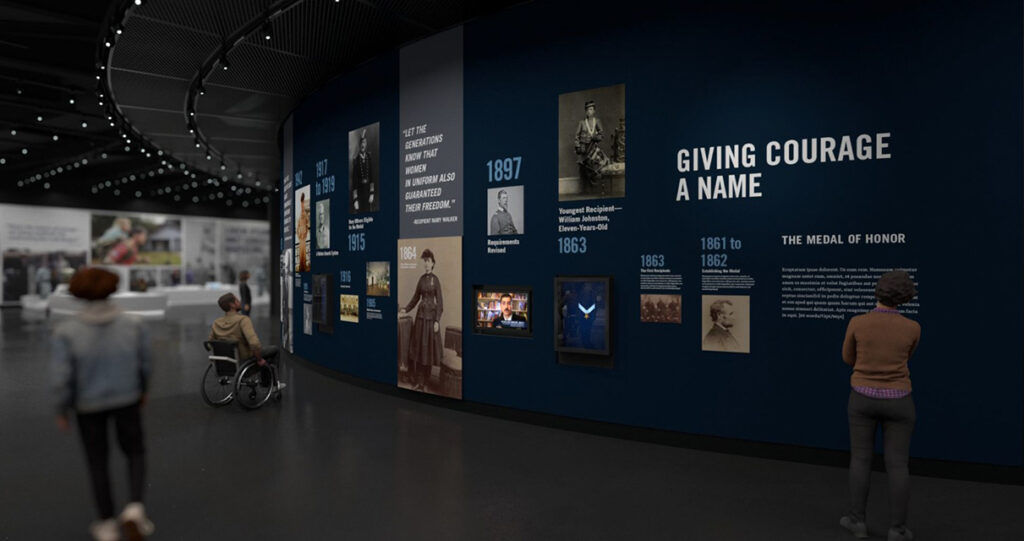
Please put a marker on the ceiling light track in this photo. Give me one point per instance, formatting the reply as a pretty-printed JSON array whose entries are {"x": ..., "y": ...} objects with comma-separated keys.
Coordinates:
[
  {"x": 220, "y": 59},
  {"x": 132, "y": 138}
]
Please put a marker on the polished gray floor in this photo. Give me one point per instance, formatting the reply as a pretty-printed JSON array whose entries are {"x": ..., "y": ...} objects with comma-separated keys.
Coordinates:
[{"x": 336, "y": 461}]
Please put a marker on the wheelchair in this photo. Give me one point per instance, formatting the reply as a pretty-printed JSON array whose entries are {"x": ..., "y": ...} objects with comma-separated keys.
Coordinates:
[{"x": 226, "y": 378}]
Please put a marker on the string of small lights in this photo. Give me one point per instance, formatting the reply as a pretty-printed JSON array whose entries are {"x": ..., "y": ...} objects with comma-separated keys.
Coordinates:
[{"x": 134, "y": 139}]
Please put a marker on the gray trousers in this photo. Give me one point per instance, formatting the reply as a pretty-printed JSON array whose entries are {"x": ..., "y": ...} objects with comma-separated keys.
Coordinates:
[
  {"x": 897, "y": 417},
  {"x": 269, "y": 353}
]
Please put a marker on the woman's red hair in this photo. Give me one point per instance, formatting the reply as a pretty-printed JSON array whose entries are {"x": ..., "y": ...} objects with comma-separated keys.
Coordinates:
[{"x": 93, "y": 284}]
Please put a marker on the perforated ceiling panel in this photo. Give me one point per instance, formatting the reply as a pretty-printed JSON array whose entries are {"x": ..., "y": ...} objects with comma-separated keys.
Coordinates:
[{"x": 169, "y": 47}]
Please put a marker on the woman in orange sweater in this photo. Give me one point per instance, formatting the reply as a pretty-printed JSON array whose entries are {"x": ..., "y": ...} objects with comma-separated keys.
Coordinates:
[{"x": 878, "y": 346}]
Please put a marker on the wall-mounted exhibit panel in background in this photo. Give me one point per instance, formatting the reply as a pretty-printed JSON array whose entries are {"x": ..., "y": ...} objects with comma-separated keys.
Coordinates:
[
  {"x": 780, "y": 160},
  {"x": 42, "y": 246}
]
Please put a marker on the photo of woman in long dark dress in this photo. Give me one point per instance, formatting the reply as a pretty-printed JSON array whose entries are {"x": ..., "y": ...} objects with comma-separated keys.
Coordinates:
[{"x": 425, "y": 343}]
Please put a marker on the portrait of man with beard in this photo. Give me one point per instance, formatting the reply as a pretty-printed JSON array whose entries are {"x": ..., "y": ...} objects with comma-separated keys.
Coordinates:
[{"x": 727, "y": 325}]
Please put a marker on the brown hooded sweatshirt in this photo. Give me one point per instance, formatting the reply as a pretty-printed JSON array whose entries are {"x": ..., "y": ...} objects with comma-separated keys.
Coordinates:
[{"x": 235, "y": 326}]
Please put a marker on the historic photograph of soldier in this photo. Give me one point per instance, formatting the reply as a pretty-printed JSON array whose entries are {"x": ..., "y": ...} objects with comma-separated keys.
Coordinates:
[
  {"x": 725, "y": 323},
  {"x": 364, "y": 169},
  {"x": 323, "y": 224},
  {"x": 430, "y": 315},
  {"x": 505, "y": 211},
  {"x": 302, "y": 225},
  {"x": 592, "y": 144}
]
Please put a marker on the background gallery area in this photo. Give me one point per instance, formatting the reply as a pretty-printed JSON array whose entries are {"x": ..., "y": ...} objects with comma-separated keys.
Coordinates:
[
  {"x": 478, "y": 181},
  {"x": 42, "y": 247}
]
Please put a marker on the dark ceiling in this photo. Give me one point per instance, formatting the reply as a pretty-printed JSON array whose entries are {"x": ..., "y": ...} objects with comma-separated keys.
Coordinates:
[
  {"x": 47, "y": 54},
  {"x": 179, "y": 127}
]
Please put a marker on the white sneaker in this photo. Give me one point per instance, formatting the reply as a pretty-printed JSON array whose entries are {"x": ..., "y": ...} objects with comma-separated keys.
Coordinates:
[
  {"x": 137, "y": 525},
  {"x": 280, "y": 385},
  {"x": 105, "y": 530}
]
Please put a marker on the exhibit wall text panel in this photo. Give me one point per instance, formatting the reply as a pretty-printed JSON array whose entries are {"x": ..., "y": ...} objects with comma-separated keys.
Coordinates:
[
  {"x": 287, "y": 263},
  {"x": 42, "y": 247},
  {"x": 345, "y": 159},
  {"x": 780, "y": 160}
]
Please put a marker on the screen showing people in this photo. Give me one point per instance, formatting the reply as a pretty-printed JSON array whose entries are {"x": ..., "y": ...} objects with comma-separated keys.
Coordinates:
[
  {"x": 503, "y": 310},
  {"x": 582, "y": 315}
]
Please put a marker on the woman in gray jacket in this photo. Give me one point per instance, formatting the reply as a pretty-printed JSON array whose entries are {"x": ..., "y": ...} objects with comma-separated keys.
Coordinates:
[{"x": 100, "y": 368}]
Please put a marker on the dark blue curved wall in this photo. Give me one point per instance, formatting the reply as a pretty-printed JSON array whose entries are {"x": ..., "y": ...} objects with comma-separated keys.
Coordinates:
[{"x": 944, "y": 78}]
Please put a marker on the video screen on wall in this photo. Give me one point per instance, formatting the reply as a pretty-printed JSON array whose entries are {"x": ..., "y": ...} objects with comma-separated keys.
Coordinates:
[
  {"x": 503, "y": 310},
  {"x": 583, "y": 314}
]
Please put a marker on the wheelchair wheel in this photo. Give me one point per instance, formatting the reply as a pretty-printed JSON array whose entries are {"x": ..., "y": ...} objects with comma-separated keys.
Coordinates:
[
  {"x": 254, "y": 386},
  {"x": 217, "y": 390}
]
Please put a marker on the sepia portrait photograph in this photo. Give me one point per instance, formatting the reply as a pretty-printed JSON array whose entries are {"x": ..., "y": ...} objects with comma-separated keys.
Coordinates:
[
  {"x": 505, "y": 214},
  {"x": 430, "y": 315},
  {"x": 592, "y": 144},
  {"x": 378, "y": 278},
  {"x": 364, "y": 169},
  {"x": 302, "y": 226},
  {"x": 725, "y": 323},
  {"x": 348, "y": 308},
  {"x": 323, "y": 224},
  {"x": 661, "y": 308}
]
